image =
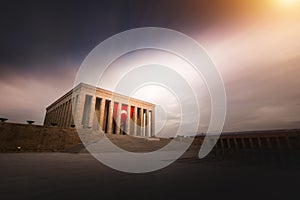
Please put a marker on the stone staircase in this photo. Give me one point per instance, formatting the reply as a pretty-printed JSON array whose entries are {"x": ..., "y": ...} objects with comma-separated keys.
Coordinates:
[{"x": 126, "y": 142}]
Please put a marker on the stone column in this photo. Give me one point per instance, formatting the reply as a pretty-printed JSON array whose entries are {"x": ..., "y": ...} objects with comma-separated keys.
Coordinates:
[
  {"x": 278, "y": 143},
  {"x": 147, "y": 123},
  {"x": 243, "y": 143},
  {"x": 62, "y": 115},
  {"x": 71, "y": 110},
  {"x": 134, "y": 120},
  {"x": 128, "y": 120},
  {"x": 101, "y": 117},
  {"x": 92, "y": 111},
  {"x": 69, "y": 122},
  {"x": 74, "y": 108},
  {"x": 222, "y": 145},
  {"x": 118, "y": 118},
  {"x": 50, "y": 118},
  {"x": 141, "y": 121},
  {"x": 78, "y": 110},
  {"x": 110, "y": 117},
  {"x": 54, "y": 119},
  {"x": 63, "y": 122},
  {"x": 259, "y": 142},
  {"x": 96, "y": 121},
  {"x": 152, "y": 122},
  {"x": 59, "y": 115},
  {"x": 47, "y": 118},
  {"x": 269, "y": 143},
  {"x": 236, "y": 146},
  {"x": 228, "y": 143},
  {"x": 288, "y": 142},
  {"x": 56, "y": 115},
  {"x": 66, "y": 114},
  {"x": 251, "y": 143}
]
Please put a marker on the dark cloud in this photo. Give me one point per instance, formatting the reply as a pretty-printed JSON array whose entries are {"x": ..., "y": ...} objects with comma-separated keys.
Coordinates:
[{"x": 39, "y": 32}]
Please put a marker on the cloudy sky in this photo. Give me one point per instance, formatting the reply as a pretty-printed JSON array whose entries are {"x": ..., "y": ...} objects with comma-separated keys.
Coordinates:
[{"x": 254, "y": 44}]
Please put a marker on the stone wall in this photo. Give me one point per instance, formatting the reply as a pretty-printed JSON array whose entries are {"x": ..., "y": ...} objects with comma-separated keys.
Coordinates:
[
  {"x": 23, "y": 137},
  {"x": 35, "y": 138}
]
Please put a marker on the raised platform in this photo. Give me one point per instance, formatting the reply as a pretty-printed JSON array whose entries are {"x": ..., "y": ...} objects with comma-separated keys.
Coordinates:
[{"x": 34, "y": 138}]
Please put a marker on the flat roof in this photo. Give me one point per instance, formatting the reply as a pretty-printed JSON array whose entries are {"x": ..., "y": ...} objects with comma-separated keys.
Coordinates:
[{"x": 96, "y": 88}]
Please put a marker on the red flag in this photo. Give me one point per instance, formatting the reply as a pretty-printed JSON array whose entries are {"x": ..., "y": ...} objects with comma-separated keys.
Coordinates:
[{"x": 123, "y": 112}]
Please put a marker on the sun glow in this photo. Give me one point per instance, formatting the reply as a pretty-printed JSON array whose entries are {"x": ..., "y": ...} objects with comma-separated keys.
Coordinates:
[{"x": 289, "y": 3}]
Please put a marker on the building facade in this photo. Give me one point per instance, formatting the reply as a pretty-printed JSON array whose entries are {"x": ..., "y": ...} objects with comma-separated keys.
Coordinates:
[{"x": 86, "y": 106}]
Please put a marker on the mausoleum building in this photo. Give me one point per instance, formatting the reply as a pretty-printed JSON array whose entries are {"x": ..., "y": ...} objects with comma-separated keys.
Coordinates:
[{"x": 90, "y": 107}]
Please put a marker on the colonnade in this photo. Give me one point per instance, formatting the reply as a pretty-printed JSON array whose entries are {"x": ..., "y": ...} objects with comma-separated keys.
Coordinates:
[
  {"x": 115, "y": 116},
  {"x": 264, "y": 142},
  {"x": 61, "y": 115}
]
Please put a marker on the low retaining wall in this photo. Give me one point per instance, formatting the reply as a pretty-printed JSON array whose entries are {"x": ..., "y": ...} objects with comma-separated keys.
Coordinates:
[{"x": 23, "y": 137}]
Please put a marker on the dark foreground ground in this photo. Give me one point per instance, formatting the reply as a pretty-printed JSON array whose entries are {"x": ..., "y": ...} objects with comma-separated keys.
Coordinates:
[{"x": 80, "y": 176}]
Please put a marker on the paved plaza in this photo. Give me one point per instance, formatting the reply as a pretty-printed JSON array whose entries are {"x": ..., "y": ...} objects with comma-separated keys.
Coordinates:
[{"x": 80, "y": 176}]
